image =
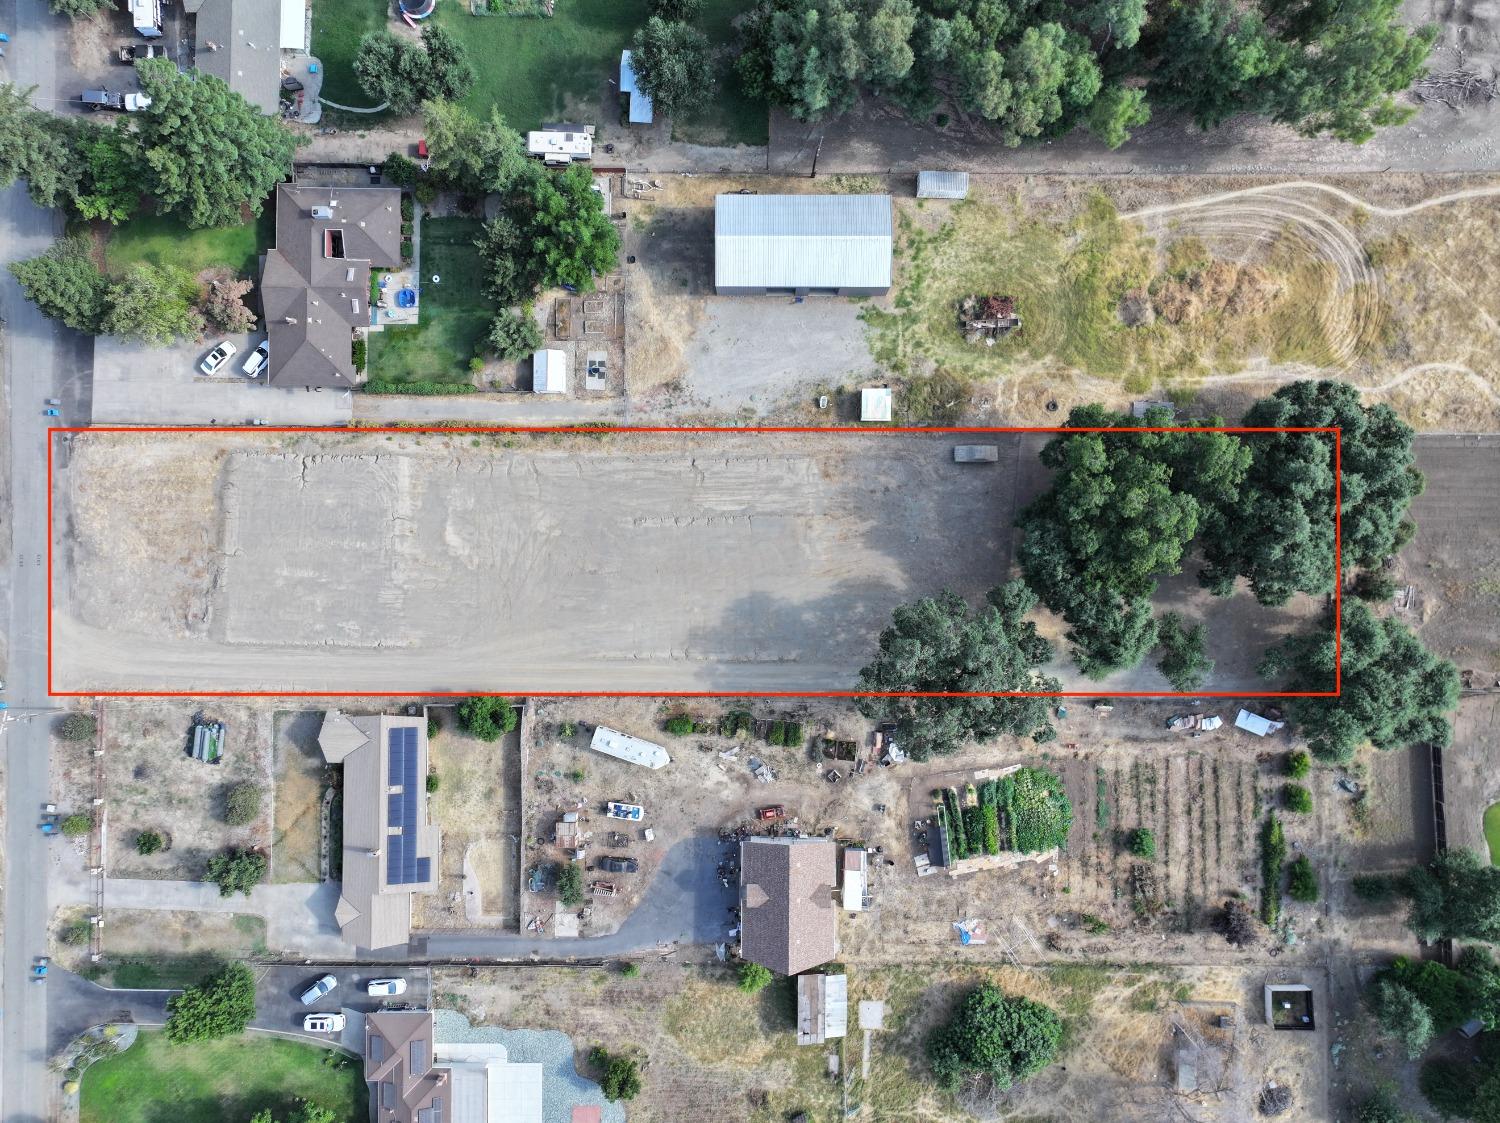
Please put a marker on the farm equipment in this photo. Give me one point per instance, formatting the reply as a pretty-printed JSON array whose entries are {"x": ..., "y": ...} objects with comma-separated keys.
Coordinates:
[{"x": 602, "y": 888}]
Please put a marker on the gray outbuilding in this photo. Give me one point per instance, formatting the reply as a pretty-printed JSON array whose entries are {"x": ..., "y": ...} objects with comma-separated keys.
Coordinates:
[
  {"x": 801, "y": 244},
  {"x": 942, "y": 185}
]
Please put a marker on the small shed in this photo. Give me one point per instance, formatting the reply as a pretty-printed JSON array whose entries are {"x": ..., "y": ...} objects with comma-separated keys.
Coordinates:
[
  {"x": 640, "y": 110},
  {"x": 875, "y": 403},
  {"x": 856, "y": 878},
  {"x": 549, "y": 372},
  {"x": 822, "y": 1008},
  {"x": 1290, "y": 1006},
  {"x": 942, "y": 185},
  {"x": 624, "y": 747}
]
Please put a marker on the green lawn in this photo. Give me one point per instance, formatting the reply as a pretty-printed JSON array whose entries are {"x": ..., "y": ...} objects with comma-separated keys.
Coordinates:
[
  {"x": 454, "y": 314},
  {"x": 1492, "y": 832},
  {"x": 164, "y": 240},
  {"x": 226, "y": 1081},
  {"x": 337, "y": 27}
]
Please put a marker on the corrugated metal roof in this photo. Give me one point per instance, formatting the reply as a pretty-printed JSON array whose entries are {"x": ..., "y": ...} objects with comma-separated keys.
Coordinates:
[
  {"x": 641, "y": 108},
  {"x": 802, "y": 241},
  {"x": 942, "y": 185}
]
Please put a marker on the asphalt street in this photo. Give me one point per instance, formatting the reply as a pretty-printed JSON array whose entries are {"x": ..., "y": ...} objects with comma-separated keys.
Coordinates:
[{"x": 40, "y": 361}]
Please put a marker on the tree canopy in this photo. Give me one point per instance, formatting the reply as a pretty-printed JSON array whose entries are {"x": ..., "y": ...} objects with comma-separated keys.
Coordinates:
[
  {"x": 65, "y": 284},
  {"x": 1402, "y": 1015},
  {"x": 206, "y": 152},
  {"x": 402, "y": 75},
  {"x": 487, "y": 717},
  {"x": 222, "y": 1005},
  {"x": 1040, "y": 70},
  {"x": 672, "y": 63},
  {"x": 1282, "y": 535},
  {"x": 1393, "y": 691},
  {"x": 1455, "y": 897},
  {"x": 991, "y": 1033},
  {"x": 940, "y": 644},
  {"x": 1183, "y": 663}
]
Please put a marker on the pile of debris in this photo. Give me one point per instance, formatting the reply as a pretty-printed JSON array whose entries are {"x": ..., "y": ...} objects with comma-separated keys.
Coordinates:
[{"x": 984, "y": 319}]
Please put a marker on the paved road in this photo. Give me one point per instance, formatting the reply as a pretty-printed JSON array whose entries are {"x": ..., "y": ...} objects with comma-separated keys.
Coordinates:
[
  {"x": 685, "y": 904},
  {"x": 40, "y": 361}
]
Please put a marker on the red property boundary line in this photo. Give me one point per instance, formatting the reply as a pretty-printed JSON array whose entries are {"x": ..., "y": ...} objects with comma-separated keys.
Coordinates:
[{"x": 593, "y": 430}]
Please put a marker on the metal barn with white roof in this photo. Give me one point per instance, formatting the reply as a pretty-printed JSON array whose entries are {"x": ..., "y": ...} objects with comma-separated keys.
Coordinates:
[
  {"x": 801, "y": 244},
  {"x": 549, "y": 372}
]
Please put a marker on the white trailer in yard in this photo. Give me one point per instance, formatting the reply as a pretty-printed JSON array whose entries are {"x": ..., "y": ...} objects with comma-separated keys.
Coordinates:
[{"x": 622, "y": 746}]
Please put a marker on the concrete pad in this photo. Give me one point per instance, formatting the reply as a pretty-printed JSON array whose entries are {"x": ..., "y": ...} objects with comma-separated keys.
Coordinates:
[{"x": 138, "y": 384}]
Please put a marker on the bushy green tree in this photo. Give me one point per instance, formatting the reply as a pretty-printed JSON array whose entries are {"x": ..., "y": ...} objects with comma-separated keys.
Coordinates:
[
  {"x": 1381, "y": 1106},
  {"x": 1142, "y": 843},
  {"x": 1451, "y": 996},
  {"x": 1115, "y": 111},
  {"x": 65, "y": 284},
  {"x": 109, "y": 187},
  {"x": 222, "y": 1005},
  {"x": 565, "y": 229},
  {"x": 148, "y": 842},
  {"x": 804, "y": 55},
  {"x": 620, "y": 1077},
  {"x": 941, "y": 644},
  {"x": 206, "y": 153},
  {"x": 684, "y": 11},
  {"x": 236, "y": 871},
  {"x": 242, "y": 803},
  {"x": 152, "y": 303},
  {"x": 1402, "y": 1015},
  {"x": 672, "y": 64},
  {"x": 77, "y": 9},
  {"x": 487, "y": 717},
  {"x": 1004, "y": 1037},
  {"x": 476, "y": 156},
  {"x": 1297, "y": 764},
  {"x": 402, "y": 74},
  {"x": 513, "y": 336},
  {"x": 1302, "y": 880},
  {"x": 1393, "y": 691},
  {"x": 1294, "y": 797},
  {"x": 1183, "y": 662},
  {"x": 570, "y": 885},
  {"x": 78, "y": 726},
  {"x": 1455, "y": 896},
  {"x": 753, "y": 978},
  {"x": 1282, "y": 535}
]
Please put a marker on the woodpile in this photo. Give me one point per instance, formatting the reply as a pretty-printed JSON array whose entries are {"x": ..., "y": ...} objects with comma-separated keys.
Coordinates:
[{"x": 984, "y": 319}]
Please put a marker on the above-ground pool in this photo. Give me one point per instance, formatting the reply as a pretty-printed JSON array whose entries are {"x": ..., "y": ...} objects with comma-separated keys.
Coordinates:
[{"x": 406, "y": 298}]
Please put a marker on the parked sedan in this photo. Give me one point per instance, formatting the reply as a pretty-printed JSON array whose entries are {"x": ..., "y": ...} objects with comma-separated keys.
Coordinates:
[
  {"x": 133, "y": 52},
  {"x": 614, "y": 864},
  {"x": 256, "y": 361},
  {"x": 323, "y": 1023},
  {"x": 380, "y": 988},
  {"x": 214, "y": 361},
  {"x": 318, "y": 989}
]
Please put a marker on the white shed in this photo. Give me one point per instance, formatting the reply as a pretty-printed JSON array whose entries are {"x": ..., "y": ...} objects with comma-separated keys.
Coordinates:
[
  {"x": 549, "y": 372},
  {"x": 875, "y": 403},
  {"x": 856, "y": 878},
  {"x": 942, "y": 185},
  {"x": 624, "y": 747}
]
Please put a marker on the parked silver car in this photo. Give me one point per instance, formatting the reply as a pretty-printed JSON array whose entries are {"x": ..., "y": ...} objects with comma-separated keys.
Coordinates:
[{"x": 318, "y": 989}]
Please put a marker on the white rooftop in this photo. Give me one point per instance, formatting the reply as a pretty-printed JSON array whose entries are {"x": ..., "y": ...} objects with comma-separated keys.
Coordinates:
[
  {"x": 875, "y": 404},
  {"x": 642, "y": 111},
  {"x": 549, "y": 372},
  {"x": 635, "y": 750}
]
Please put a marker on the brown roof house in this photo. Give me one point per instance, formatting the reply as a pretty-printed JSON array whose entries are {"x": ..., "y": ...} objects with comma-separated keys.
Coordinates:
[
  {"x": 787, "y": 917},
  {"x": 315, "y": 284},
  {"x": 390, "y": 847},
  {"x": 404, "y": 1085}
]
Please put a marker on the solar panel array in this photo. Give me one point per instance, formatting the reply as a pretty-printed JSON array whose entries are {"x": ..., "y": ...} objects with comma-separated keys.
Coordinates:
[{"x": 403, "y": 867}]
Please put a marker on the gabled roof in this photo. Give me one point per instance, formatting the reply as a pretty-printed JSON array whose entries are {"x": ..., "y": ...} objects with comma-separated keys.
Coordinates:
[
  {"x": 802, "y": 241},
  {"x": 787, "y": 918},
  {"x": 315, "y": 286},
  {"x": 404, "y": 1087},
  {"x": 239, "y": 41}
]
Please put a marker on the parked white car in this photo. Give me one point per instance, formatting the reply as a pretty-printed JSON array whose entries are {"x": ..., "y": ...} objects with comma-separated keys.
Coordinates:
[
  {"x": 318, "y": 989},
  {"x": 382, "y": 987},
  {"x": 323, "y": 1023},
  {"x": 214, "y": 361},
  {"x": 256, "y": 361}
]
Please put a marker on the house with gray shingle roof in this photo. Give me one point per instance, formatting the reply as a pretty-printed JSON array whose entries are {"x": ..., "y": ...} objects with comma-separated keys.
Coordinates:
[{"x": 787, "y": 918}]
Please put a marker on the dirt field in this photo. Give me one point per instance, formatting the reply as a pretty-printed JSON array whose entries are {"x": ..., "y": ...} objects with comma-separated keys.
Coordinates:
[
  {"x": 477, "y": 805},
  {"x": 301, "y": 780},
  {"x": 152, "y": 784},
  {"x": 704, "y": 1042},
  {"x": 157, "y": 948}
]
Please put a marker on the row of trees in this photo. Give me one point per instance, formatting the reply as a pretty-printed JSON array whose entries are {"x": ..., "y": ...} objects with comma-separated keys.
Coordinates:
[
  {"x": 1126, "y": 509},
  {"x": 1041, "y": 70},
  {"x": 200, "y": 152},
  {"x": 551, "y": 230}
]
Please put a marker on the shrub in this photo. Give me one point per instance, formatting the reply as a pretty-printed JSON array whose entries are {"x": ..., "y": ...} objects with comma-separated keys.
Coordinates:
[
  {"x": 576, "y": 775},
  {"x": 425, "y": 192},
  {"x": 1373, "y": 887},
  {"x": 401, "y": 171},
  {"x": 434, "y": 724},
  {"x": 433, "y": 782},
  {"x": 513, "y": 335},
  {"x": 75, "y": 932},
  {"x": 1375, "y": 587},
  {"x": 476, "y": 364},
  {"x": 1402, "y": 1015},
  {"x": 236, "y": 871},
  {"x": 417, "y": 387},
  {"x": 753, "y": 978},
  {"x": 793, "y": 734},
  {"x": 1297, "y": 764},
  {"x": 1142, "y": 843},
  {"x": 1238, "y": 924},
  {"x": 358, "y": 352},
  {"x": 242, "y": 804},
  {"x": 407, "y": 210},
  {"x": 77, "y": 726},
  {"x": 487, "y": 718},
  {"x": 679, "y": 725},
  {"x": 1303, "y": 884},
  {"x": 1037, "y": 810},
  {"x": 1294, "y": 797},
  {"x": 148, "y": 842},
  {"x": 776, "y": 735},
  {"x": 1001, "y": 1036},
  {"x": 1272, "y": 855},
  {"x": 222, "y": 1005},
  {"x": 77, "y": 824},
  {"x": 621, "y": 1079},
  {"x": 1381, "y": 1107},
  {"x": 1094, "y": 925},
  {"x": 570, "y": 885},
  {"x": 630, "y": 970}
]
